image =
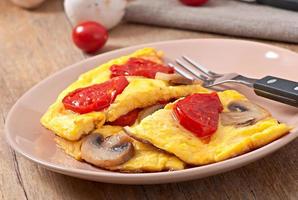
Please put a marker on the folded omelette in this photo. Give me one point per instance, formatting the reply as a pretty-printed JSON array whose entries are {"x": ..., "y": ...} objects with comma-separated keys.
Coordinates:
[
  {"x": 157, "y": 141},
  {"x": 162, "y": 130},
  {"x": 72, "y": 128},
  {"x": 141, "y": 92}
]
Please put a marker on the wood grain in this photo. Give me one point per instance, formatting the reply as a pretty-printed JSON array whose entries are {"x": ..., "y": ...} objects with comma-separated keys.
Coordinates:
[{"x": 34, "y": 44}]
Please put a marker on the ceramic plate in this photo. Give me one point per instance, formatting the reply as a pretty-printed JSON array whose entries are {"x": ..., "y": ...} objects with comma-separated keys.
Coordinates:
[{"x": 26, "y": 136}]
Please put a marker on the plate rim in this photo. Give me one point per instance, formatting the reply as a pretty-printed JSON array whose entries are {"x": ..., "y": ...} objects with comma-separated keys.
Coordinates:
[{"x": 225, "y": 165}]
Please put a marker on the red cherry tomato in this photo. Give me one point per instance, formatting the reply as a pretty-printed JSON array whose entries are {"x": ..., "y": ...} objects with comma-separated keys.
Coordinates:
[
  {"x": 89, "y": 36},
  {"x": 126, "y": 120},
  {"x": 139, "y": 67},
  {"x": 194, "y": 2},
  {"x": 95, "y": 97},
  {"x": 199, "y": 113}
]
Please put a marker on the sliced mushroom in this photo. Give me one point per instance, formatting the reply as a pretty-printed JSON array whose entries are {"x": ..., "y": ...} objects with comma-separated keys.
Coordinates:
[
  {"x": 174, "y": 79},
  {"x": 111, "y": 151},
  {"x": 243, "y": 113}
]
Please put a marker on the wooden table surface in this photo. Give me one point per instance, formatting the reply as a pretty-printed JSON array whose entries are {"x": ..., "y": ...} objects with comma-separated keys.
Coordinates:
[{"x": 35, "y": 44}]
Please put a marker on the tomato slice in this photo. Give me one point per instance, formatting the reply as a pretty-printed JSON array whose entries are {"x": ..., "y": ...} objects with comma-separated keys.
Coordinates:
[
  {"x": 139, "y": 67},
  {"x": 127, "y": 119},
  {"x": 95, "y": 97},
  {"x": 199, "y": 113}
]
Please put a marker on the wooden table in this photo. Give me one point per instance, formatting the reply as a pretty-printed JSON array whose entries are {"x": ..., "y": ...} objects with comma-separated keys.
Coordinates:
[{"x": 35, "y": 44}]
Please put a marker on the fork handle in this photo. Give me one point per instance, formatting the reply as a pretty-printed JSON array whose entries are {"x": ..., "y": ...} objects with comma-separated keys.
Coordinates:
[{"x": 278, "y": 89}]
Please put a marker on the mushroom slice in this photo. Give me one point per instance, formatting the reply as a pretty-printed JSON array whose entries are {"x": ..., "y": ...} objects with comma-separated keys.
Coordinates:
[
  {"x": 107, "y": 152},
  {"x": 174, "y": 79},
  {"x": 243, "y": 113}
]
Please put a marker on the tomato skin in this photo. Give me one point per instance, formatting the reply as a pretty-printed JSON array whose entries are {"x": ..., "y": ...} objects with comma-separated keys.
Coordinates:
[
  {"x": 139, "y": 67},
  {"x": 95, "y": 97},
  {"x": 90, "y": 36},
  {"x": 127, "y": 119},
  {"x": 194, "y": 2},
  {"x": 199, "y": 113}
]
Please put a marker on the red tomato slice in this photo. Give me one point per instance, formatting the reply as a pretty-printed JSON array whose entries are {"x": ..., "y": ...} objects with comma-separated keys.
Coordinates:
[
  {"x": 127, "y": 119},
  {"x": 95, "y": 97},
  {"x": 139, "y": 67},
  {"x": 199, "y": 113}
]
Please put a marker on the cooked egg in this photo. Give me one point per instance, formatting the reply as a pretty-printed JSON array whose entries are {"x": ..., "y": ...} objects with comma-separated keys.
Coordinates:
[
  {"x": 164, "y": 132},
  {"x": 143, "y": 92},
  {"x": 146, "y": 158},
  {"x": 140, "y": 93}
]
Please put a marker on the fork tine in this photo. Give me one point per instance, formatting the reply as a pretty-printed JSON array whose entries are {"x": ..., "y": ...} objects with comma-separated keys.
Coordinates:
[
  {"x": 188, "y": 69},
  {"x": 182, "y": 72},
  {"x": 201, "y": 68}
]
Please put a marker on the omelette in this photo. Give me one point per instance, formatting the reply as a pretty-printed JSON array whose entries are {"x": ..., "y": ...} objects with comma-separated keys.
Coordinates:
[
  {"x": 71, "y": 128},
  {"x": 140, "y": 92},
  {"x": 123, "y": 116},
  {"x": 162, "y": 130},
  {"x": 147, "y": 158}
]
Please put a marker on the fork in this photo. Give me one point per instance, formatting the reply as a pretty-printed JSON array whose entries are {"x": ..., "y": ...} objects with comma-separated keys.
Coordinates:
[{"x": 278, "y": 89}]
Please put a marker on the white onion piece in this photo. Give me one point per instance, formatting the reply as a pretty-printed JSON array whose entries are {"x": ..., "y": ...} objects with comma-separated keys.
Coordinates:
[
  {"x": 173, "y": 78},
  {"x": 106, "y": 12},
  {"x": 149, "y": 110}
]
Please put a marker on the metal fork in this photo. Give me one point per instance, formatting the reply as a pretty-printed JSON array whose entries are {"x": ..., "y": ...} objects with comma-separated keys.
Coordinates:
[{"x": 278, "y": 89}]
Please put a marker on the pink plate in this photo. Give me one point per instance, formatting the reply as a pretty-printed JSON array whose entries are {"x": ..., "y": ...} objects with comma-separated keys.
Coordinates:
[{"x": 25, "y": 134}]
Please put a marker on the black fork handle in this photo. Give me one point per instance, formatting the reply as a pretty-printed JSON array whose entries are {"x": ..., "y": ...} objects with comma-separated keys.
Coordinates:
[{"x": 278, "y": 89}]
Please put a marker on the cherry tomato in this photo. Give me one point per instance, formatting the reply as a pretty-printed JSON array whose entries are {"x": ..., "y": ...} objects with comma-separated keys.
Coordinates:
[
  {"x": 89, "y": 36},
  {"x": 126, "y": 120},
  {"x": 199, "y": 113},
  {"x": 139, "y": 67},
  {"x": 194, "y": 2},
  {"x": 95, "y": 97}
]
